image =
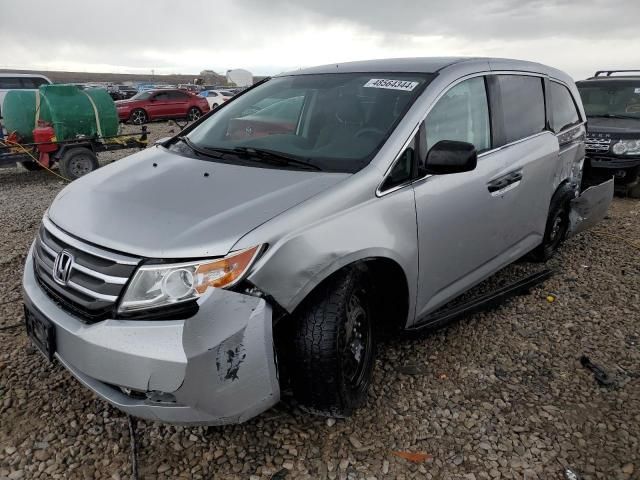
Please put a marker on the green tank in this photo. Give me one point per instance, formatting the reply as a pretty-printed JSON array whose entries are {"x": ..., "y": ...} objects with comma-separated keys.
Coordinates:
[{"x": 72, "y": 112}]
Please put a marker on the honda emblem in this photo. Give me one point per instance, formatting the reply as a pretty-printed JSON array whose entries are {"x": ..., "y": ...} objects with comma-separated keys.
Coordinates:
[{"x": 62, "y": 267}]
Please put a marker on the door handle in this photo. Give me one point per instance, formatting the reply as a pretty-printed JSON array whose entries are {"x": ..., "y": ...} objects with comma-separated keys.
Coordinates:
[{"x": 505, "y": 183}]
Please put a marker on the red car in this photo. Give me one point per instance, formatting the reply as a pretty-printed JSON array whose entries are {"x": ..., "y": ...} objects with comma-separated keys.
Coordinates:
[{"x": 161, "y": 104}]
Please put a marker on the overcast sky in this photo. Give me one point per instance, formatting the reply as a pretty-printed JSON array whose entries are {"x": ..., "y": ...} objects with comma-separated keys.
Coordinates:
[{"x": 271, "y": 36}]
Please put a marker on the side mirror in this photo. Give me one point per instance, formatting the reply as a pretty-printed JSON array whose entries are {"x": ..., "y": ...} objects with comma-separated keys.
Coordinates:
[{"x": 450, "y": 156}]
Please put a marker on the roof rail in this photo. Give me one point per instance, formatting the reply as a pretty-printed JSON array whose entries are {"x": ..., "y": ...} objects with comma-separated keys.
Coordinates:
[{"x": 608, "y": 73}]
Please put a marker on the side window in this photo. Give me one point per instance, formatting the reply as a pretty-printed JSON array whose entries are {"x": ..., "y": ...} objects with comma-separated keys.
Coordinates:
[
  {"x": 37, "y": 81},
  {"x": 178, "y": 96},
  {"x": 10, "y": 83},
  {"x": 563, "y": 109},
  {"x": 33, "y": 82},
  {"x": 161, "y": 97},
  {"x": 522, "y": 100},
  {"x": 462, "y": 114},
  {"x": 402, "y": 171}
]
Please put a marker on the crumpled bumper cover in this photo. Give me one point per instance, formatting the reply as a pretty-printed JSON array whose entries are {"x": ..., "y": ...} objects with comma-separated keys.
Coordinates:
[
  {"x": 590, "y": 207},
  {"x": 217, "y": 367}
]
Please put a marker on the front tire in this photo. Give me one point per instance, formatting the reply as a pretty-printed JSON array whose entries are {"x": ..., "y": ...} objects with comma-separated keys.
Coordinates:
[
  {"x": 138, "y": 117},
  {"x": 78, "y": 162},
  {"x": 334, "y": 346}
]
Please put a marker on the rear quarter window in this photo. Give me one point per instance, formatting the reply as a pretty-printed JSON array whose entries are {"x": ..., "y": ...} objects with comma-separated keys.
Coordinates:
[
  {"x": 522, "y": 99},
  {"x": 564, "y": 113}
]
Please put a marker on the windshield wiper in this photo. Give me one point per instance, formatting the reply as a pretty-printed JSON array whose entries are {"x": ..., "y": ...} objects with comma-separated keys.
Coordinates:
[
  {"x": 196, "y": 149},
  {"x": 614, "y": 115},
  {"x": 267, "y": 156},
  {"x": 275, "y": 157}
]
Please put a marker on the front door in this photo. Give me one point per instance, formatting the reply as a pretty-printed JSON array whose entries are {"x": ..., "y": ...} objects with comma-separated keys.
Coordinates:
[
  {"x": 157, "y": 106},
  {"x": 461, "y": 224}
]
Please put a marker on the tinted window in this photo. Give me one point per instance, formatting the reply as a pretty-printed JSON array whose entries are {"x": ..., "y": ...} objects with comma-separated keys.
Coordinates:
[
  {"x": 10, "y": 82},
  {"x": 563, "y": 110},
  {"x": 161, "y": 97},
  {"x": 522, "y": 101},
  {"x": 30, "y": 83},
  {"x": 462, "y": 114},
  {"x": 34, "y": 82},
  {"x": 178, "y": 95}
]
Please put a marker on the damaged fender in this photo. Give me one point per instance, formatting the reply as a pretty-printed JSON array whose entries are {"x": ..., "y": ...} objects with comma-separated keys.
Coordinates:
[
  {"x": 231, "y": 371},
  {"x": 590, "y": 207}
]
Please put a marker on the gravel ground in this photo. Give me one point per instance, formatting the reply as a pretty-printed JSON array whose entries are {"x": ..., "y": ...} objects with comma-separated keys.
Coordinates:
[{"x": 500, "y": 394}]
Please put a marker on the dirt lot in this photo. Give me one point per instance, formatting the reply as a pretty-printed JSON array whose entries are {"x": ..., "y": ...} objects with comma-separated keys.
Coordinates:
[{"x": 500, "y": 394}]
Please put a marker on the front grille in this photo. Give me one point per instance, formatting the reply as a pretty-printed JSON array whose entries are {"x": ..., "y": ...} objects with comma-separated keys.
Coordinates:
[
  {"x": 597, "y": 144},
  {"x": 96, "y": 276}
]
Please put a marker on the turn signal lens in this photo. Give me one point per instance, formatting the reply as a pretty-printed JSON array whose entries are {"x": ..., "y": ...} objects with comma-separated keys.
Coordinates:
[{"x": 224, "y": 272}]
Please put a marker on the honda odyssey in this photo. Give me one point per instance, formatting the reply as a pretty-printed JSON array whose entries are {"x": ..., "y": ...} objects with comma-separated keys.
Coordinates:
[{"x": 272, "y": 242}]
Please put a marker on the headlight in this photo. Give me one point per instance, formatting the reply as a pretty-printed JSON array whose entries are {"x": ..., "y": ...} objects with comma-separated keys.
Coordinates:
[
  {"x": 627, "y": 147},
  {"x": 160, "y": 285}
]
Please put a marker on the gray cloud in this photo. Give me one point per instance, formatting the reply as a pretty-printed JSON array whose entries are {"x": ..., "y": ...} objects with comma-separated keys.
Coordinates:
[{"x": 169, "y": 35}]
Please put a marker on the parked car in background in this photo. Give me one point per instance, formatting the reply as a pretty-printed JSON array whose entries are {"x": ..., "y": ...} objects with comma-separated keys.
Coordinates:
[
  {"x": 612, "y": 105},
  {"x": 215, "y": 98},
  {"x": 122, "y": 92},
  {"x": 191, "y": 284},
  {"x": 20, "y": 81},
  {"x": 190, "y": 87},
  {"x": 161, "y": 104}
]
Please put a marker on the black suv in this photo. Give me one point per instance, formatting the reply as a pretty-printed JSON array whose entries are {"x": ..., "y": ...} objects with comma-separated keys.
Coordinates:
[{"x": 611, "y": 100}]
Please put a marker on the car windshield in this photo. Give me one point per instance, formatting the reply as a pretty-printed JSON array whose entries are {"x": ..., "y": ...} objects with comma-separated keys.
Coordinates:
[
  {"x": 621, "y": 98},
  {"x": 336, "y": 122},
  {"x": 142, "y": 95}
]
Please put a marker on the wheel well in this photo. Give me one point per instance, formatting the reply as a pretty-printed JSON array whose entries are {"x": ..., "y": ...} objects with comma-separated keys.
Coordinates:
[
  {"x": 390, "y": 292},
  {"x": 563, "y": 193}
]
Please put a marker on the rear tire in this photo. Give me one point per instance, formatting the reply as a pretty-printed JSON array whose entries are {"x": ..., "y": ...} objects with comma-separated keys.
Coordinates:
[
  {"x": 194, "y": 114},
  {"x": 555, "y": 231},
  {"x": 78, "y": 162},
  {"x": 334, "y": 346}
]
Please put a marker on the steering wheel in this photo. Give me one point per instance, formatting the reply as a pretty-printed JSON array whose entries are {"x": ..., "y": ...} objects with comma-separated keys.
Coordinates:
[{"x": 368, "y": 131}]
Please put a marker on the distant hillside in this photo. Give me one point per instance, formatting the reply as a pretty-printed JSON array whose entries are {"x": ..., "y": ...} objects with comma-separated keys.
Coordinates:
[{"x": 88, "y": 77}]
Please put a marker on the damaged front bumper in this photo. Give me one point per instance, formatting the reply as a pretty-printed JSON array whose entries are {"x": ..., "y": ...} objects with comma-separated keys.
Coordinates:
[
  {"x": 590, "y": 207},
  {"x": 217, "y": 367}
]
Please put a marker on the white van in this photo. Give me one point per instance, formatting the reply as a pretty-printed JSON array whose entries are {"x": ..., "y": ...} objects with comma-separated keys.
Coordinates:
[{"x": 19, "y": 81}]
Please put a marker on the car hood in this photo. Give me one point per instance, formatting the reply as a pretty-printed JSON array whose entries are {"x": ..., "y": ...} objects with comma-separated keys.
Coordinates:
[
  {"x": 159, "y": 204},
  {"x": 614, "y": 125}
]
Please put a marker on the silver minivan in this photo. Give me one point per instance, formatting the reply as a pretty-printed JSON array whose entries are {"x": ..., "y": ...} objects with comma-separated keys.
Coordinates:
[{"x": 271, "y": 243}]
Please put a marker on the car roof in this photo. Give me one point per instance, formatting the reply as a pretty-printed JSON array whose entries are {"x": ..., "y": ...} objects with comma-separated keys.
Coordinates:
[
  {"x": 23, "y": 75},
  {"x": 618, "y": 79},
  {"x": 429, "y": 65}
]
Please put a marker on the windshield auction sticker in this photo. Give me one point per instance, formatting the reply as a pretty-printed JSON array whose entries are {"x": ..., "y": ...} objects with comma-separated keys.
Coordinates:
[{"x": 391, "y": 84}]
